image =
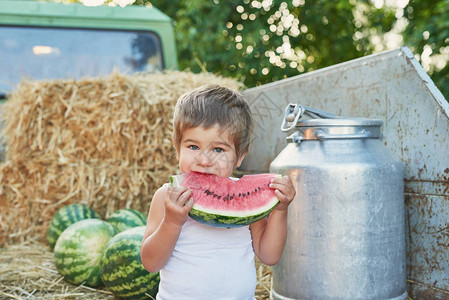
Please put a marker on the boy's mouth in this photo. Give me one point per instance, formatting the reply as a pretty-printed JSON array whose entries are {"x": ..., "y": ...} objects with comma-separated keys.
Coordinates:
[{"x": 207, "y": 173}]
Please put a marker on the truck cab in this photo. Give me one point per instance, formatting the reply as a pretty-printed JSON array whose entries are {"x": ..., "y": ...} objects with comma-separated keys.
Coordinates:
[{"x": 46, "y": 40}]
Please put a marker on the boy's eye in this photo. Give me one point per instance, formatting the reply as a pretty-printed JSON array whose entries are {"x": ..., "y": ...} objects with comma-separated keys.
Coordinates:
[
  {"x": 218, "y": 150},
  {"x": 193, "y": 147}
]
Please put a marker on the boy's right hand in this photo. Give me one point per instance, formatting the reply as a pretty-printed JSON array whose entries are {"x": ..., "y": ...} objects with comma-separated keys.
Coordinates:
[{"x": 178, "y": 204}]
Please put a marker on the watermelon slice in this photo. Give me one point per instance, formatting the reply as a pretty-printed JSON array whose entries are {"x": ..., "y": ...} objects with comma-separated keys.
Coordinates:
[{"x": 226, "y": 202}]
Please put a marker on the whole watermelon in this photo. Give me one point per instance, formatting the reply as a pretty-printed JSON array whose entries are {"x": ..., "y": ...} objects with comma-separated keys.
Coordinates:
[
  {"x": 66, "y": 216},
  {"x": 126, "y": 218},
  {"x": 121, "y": 267},
  {"x": 79, "y": 248}
]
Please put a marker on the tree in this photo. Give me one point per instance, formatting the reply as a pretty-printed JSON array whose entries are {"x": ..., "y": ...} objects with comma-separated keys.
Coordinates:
[
  {"x": 263, "y": 41},
  {"x": 427, "y": 34}
]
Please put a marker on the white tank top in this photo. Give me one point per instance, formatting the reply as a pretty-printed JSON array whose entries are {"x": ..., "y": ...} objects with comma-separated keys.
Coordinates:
[{"x": 210, "y": 263}]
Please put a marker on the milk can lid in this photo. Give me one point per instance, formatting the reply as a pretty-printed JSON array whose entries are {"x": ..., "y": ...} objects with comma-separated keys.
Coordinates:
[
  {"x": 295, "y": 113},
  {"x": 322, "y": 125}
]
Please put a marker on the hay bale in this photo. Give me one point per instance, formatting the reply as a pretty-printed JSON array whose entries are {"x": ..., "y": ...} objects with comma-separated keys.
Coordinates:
[{"x": 102, "y": 141}]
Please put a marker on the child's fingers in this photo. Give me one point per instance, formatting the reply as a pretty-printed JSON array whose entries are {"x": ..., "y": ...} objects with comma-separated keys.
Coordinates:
[
  {"x": 184, "y": 198},
  {"x": 281, "y": 197},
  {"x": 174, "y": 192},
  {"x": 179, "y": 195},
  {"x": 285, "y": 180},
  {"x": 189, "y": 204},
  {"x": 277, "y": 185},
  {"x": 281, "y": 185},
  {"x": 284, "y": 187}
]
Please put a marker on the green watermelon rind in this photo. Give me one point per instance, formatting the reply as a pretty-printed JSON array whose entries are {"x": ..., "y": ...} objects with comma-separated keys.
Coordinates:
[
  {"x": 227, "y": 219},
  {"x": 78, "y": 251},
  {"x": 126, "y": 218},
  {"x": 66, "y": 216},
  {"x": 121, "y": 267}
]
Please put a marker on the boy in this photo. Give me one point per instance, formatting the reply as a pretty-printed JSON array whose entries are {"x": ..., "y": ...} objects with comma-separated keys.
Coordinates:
[{"x": 211, "y": 134}]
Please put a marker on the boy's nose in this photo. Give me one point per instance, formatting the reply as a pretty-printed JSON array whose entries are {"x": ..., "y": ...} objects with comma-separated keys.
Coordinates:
[{"x": 205, "y": 159}]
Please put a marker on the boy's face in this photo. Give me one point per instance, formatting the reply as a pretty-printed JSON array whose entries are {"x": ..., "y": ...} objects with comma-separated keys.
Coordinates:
[{"x": 207, "y": 150}]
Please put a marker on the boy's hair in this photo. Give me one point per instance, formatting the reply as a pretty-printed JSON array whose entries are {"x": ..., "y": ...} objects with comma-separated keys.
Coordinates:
[{"x": 214, "y": 104}]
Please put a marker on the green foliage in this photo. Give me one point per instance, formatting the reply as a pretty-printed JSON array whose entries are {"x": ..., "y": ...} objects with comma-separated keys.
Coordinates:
[
  {"x": 263, "y": 41},
  {"x": 428, "y": 29}
]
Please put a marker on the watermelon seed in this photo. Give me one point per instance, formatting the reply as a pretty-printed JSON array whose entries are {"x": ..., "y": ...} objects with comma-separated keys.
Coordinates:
[{"x": 229, "y": 197}]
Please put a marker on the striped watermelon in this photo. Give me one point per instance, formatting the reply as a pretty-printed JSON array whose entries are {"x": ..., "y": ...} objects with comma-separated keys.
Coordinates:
[
  {"x": 123, "y": 219},
  {"x": 66, "y": 216},
  {"x": 78, "y": 251},
  {"x": 121, "y": 268}
]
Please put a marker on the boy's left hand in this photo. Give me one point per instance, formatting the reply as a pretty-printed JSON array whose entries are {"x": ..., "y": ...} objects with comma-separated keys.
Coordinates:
[{"x": 284, "y": 190}]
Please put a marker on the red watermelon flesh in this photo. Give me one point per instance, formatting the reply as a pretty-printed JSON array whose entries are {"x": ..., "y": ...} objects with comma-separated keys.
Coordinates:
[{"x": 226, "y": 202}]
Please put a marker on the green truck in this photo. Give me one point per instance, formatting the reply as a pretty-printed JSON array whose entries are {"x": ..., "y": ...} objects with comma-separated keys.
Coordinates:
[{"x": 48, "y": 40}]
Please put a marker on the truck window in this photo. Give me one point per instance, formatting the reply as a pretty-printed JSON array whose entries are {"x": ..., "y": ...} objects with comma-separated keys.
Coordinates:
[{"x": 49, "y": 53}]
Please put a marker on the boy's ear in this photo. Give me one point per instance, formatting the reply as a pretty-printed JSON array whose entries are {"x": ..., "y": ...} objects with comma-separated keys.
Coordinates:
[{"x": 240, "y": 159}]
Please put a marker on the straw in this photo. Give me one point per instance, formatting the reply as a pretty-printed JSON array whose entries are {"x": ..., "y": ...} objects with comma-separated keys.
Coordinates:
[
  {"x": 105, "y": 142},
  {"x": 29, "y": 272}
]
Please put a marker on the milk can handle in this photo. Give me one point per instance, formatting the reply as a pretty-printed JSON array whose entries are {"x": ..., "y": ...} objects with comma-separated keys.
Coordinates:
[
  {"x": 293, "y": 112},
  {"x": 363, "y": 134}
]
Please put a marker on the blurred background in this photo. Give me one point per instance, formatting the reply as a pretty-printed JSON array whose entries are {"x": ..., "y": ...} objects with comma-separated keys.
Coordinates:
[{"x": 263, "y": 41}]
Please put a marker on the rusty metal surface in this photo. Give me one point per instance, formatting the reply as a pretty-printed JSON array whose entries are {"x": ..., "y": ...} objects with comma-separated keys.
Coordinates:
[{"x": 393, "y": 87}]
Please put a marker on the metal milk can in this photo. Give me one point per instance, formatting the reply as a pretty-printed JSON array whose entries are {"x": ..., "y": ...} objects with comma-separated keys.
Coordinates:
[{"x": 346, "y": 235}]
